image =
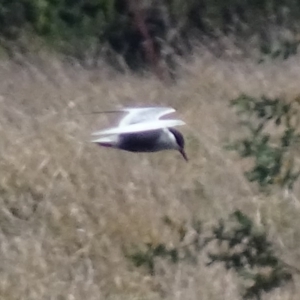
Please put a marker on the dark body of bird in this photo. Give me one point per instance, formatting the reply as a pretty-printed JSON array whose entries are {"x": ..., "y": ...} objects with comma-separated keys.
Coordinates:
[{"x": 148, "y": 141}]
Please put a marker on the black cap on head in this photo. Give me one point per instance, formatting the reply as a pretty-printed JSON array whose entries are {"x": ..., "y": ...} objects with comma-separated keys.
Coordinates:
[
  {"x": 178, "y": 136},
  {"x": 180, "y": 141}
]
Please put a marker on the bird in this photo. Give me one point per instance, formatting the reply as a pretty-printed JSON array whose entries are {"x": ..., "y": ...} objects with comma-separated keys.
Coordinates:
[{"x": 143, "y": 130}]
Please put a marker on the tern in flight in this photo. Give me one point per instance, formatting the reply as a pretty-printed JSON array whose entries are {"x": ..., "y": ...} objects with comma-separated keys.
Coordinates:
[{"x": 143, "y": 130}]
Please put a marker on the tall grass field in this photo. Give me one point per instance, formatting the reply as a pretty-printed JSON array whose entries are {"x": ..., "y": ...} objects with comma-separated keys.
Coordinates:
[{"x": 71, "y": 210}]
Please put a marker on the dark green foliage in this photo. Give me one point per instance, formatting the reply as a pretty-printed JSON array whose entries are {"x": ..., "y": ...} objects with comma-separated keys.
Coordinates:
[
  {"x": 237, "y": 243},
  {"x": 89, "y": 28},
  {"x": 12, "y": 18},
  {"x": 147, "y": 257},
  {"x": 272, "y": 138},
  {"x": 72, "y": 26},
  {"x": 244, "y": 248},
  {"x": 182, "y": 251},
  {"x": 284, "y": 50}
]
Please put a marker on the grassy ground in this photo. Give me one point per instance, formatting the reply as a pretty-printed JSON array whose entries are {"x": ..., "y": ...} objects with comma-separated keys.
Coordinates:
[{"x": 68, "y": 207}]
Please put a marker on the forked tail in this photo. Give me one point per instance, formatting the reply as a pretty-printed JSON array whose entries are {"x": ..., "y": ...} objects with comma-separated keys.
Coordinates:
[{"x": 109, "y": 141}]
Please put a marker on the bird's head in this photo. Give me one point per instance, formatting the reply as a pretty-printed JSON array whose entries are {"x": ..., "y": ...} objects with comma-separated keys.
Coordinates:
[{"x": 179, "y": 141}]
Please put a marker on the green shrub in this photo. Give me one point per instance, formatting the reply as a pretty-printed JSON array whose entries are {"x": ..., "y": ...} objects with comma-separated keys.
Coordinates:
[
  {"x": 272, "y": 139},
  {"x": 237, "y": 243},
  {"x": 80, "y": 27},
  {"x": 244, "y": 248},
  {"x": 146, "y": 255}
]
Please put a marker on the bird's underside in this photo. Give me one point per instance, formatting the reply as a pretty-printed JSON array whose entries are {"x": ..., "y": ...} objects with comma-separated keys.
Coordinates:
[{"x": 140, "y": 142}]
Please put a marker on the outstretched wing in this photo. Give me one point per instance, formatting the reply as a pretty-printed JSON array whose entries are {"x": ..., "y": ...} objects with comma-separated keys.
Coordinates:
[
  {"x": 144, "y": 114},
  {"x": 139, "y": 127}
]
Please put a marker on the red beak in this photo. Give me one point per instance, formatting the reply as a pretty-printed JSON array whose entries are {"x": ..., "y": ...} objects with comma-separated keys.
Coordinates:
[{"x": 183, "y": 154}]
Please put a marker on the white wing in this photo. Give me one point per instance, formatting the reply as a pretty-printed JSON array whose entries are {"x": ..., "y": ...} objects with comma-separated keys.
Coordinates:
[
  {"x": 144, "y": 114},
  {"x": 145, "y": 126}
]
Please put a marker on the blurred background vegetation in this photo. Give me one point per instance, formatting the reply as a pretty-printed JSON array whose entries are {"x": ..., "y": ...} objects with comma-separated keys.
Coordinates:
[
  {"x": 92, "y": 28},
  {"x": 78, "y": 223}
]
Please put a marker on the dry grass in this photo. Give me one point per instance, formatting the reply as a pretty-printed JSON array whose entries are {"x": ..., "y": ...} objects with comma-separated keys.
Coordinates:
[{"x": 69, "y": 207}]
